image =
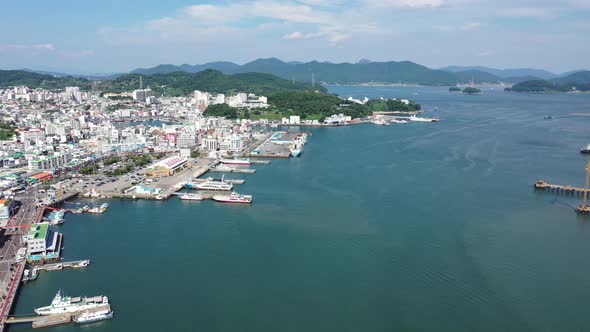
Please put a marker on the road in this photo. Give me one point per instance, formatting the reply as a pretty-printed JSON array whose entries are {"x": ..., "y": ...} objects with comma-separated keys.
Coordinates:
[{"x": 12, "y": 240}]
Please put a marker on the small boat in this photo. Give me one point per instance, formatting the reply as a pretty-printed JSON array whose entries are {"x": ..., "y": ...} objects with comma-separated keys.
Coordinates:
[
  {"x": 55, "y": 267},
  {"x": 91, "y": 317},
  {"x": 83, "y": 263},
  {"x": 99, "y": 209},
  {"x": 548, "y": 117},
  {"x": 233, "y": 198},
  {"x": 191, "y": 197},
  {"x": 585, "y": 150},
  {"x": 34, "y": 274}
]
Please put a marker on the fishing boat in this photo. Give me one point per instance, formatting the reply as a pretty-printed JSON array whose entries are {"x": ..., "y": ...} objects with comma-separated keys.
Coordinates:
[{"x": 585, "y": 150}]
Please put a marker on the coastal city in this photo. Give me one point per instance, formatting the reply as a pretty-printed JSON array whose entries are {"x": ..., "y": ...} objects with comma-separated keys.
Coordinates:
[
  {"x": 301, "y": 165},
  {"x": 73, "y": 144}
]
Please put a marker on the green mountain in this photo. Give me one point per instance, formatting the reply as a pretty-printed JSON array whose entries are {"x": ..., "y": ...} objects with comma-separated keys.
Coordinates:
[
  {"x": 183, "y": 83},
  {"x": 579, "y": 81},
  {"x": 476, "y": 76},
  {"x": 10, "y": 78},
  {"x": 343, "y": 73},
  {"x": 580, "y": 77}
]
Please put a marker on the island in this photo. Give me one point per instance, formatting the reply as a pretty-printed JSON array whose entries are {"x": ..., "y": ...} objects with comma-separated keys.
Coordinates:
[{"x": 471, "y": 91}]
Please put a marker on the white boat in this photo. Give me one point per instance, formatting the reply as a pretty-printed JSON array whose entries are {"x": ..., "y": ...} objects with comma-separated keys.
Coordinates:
[
  {"x": 225, "y": 168},
  {"x": 398, "y": 121},
  {"x": 236, "y": 161},
  {"x": 233, "y": 198},
  {"x": 83, "y": 263},
  {"x": 191, "y": 197},
  {"x": 417, "y": 119},
  {"x": 66, "y": 304},
  {"x": 91, "y": 317},
  {"x": 99, "y": 209},
  {"x": 211, "y": 184}
]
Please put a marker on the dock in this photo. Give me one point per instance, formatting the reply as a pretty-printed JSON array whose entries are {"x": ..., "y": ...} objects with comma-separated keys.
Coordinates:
[
  {"x": 542, "y": 185},
  {"x": 51, "y": 320},
  {"x": 232, "y": 181},
  {"x": 60, "y": 266},
  {"x": 583, "y": 208},
  {"x": 234, "y": 170}
]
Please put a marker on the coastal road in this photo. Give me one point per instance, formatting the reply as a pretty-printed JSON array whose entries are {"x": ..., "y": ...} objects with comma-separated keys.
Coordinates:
[{"x": 11, "y": 239}]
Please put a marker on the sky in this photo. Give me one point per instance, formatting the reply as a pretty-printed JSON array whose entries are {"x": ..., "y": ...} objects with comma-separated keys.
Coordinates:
[{"x": 107, "y": 36}]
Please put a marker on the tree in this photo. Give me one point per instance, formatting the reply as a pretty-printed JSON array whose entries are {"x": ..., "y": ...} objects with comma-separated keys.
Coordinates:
[{"x": 221, "y": 110}]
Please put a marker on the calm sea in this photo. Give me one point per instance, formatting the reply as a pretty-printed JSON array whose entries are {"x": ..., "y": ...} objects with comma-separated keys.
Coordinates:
[{"x": 415, "y": 227}]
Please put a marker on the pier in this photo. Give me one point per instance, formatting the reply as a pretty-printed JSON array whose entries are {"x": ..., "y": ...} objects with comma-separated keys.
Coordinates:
[
  {"x": 582, "y": 208},
  {"x": 567, "y": 189},
  {"x": 234, "y": 170},
  {"x": 51, "y": 320}
]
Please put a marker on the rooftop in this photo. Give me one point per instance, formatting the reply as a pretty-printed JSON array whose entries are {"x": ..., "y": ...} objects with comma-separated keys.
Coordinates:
[{"x": 39, "y": 231}]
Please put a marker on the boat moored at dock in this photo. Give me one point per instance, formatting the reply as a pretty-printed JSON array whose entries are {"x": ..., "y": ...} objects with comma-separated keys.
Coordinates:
[
  {"x": 65, "y": 304},
  {"x": 211, "y": 184},
  {"x": 99, "y": 209},
  {"x": 91, "y": 317},
  {"x": 191, "y": 197},
  {"x": 233, "y": 198}
]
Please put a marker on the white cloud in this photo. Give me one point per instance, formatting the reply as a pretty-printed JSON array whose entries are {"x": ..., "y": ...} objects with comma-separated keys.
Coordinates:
[
  {"x": 46, "y": 48},
  {"x": 471, "y": 26},
  {"x": 406, "y": 3},
  {"x": 290, "y": 12},
  {"x": 7, "y": 47},
  {"x": 524, "y": 12}
]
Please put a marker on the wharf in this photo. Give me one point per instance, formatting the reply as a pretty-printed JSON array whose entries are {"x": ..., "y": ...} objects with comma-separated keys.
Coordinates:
[
  {"x": 51, "y": 320},
  {"x": 256, "y": 161},
  {"x": 234, "y": 170},
  {"x": 232, "y": 181},
  {"x": 10, "y": 295},
  {"x": 59, "y": 266},
  {"x": 61, "y": 199},
  {"x": 542, "y": 185}
]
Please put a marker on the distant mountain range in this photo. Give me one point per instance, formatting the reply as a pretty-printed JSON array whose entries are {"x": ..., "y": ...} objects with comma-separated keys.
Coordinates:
[
  {"x": 170, "y": 84},
  {"x": 366, "y": 71},
  {"x": 362, "y": 72}
]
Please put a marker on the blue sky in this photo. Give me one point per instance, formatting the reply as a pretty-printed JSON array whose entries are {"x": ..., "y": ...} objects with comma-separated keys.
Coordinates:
[{"x": 93, "y": 36}]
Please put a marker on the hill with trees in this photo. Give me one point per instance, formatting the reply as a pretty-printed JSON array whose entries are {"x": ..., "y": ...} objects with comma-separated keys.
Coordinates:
[
  {"x": 184, "y": 83},
  {"x": 578, "y": 81},
  {"x": 342, "y": 73},
  {"x": 11, "y": 78}
]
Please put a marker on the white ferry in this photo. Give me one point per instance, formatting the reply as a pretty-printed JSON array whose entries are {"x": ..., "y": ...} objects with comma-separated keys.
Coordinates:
[
  {"x": 91, "y": 317},
  {"x": 233, "y": 198},
  {"x": 236, "y": 161},
  {"x": 191, "y": 197},
  {"x": 211, "y": 184},
  {"x": 66, "y": 304}
]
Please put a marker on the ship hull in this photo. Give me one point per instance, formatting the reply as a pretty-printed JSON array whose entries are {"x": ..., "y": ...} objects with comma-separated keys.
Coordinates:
[{"x": 229, "y": 201}]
